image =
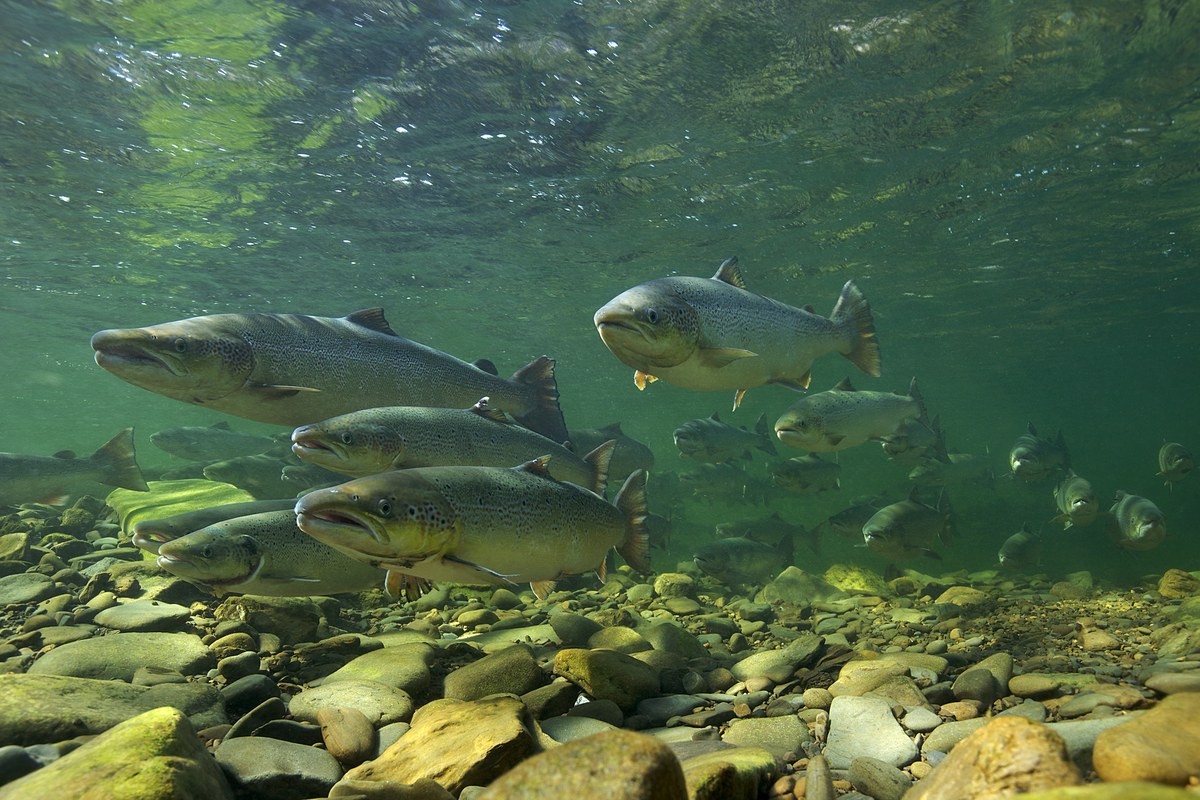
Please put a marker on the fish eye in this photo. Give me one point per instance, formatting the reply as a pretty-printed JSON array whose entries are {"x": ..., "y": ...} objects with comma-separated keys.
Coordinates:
[
  {"x": 652, "y": 316},
  {"x": 180, "y": 344},
  {"x": 385, "y": 507},
  {"x": 346, "y": 437},
  {"x": 206, "y": 551}
]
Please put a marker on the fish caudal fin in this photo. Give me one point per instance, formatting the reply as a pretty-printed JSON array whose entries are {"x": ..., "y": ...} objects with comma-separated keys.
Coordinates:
[
  {"x": 598, "y": 460},
  {"x": 120, "y": 464},
  {"x": 852, "y": 314},
  {"x": 545, "y": 417},
  {"x": 764, "y": 429},
  {"x": 631, "y": 501}
]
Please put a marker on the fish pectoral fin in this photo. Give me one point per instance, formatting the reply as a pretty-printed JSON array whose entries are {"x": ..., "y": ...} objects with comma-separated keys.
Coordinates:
[
  {"x": 738, "y": 396},
  {"x": 481, "y": 568},
  {"x": 716, "y": 357},
  {"x": 541, "y": 588},
  {"x": 274, "y": 391},
  {"x": 640, "y": 379},
  {"x": 799, "y": 384},
  {"x": 835, "y": 439}
]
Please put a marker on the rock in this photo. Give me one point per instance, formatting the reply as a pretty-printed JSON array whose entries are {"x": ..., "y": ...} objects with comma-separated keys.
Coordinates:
[
  {"x": 382, "y": 704},
  {"x": 246, "y": 693},
  {"x": 513, "y": 670},
  {"x": 1033, "y": 685},
  {"x": 14, "y": 546},
  {"x": 569, "y": 727},
  {"x": 404, "y": 667},
  {"x": 118, "y": 656},
  {"x": 674, "y": 584},
  {"x": 853, "y": 578},
  {"x": 1094, "y": 639},
  {"x": 779, "y": 665},
  {"x": 292, "y": 619},
  {"x": 573, "y": 630},
  {"x": 976, "y": 684},
  {"x": 1174, "y": 682},
  {"x": 681, "y": 606},
  {"x": 1162, "y": 745},
  {"x": 963, "y": 597},
  {"x": 25, "y": 587},
  {"x": 423, "y": 789},
  {"x": 878, "y": 779},
  {"x": 861, "y": 726},
  {"x": 16, "y": 762},
  {"x": 348, "y": 735},
  {"x": 731, "y": 773},
  {"x": 238, "y": 666},
  {"x": 155, "y": 754},
  {"x": 619, "y": 638},
  {"x": 671, "y": 638},
  {"x": 944, "y": 737},
  {"x": 552, "y": 699},
  {"x": 1175, "y": 584},
  {"x": 903, "y": 691},
  {"x": 144, "y": 615},
  {"x": 1080, "y": 736},
  {"x": 51, "y": 708},
  {"x": 458, "y": 743},
  {"x": 608, "y": 675},
  {"x": 1007, "y": 756},
  {"x": 782, "y": 737},
  {"x": 616, "y": 764},
  {"x": 657, "y": 710},
  {"x": 921, "y": 720},
  {"x": 270, "y": 769},
  {"x": 604, "y": 710},
  {"x": 1113, "y": 791},
  {"x": 860, "y": 677}
]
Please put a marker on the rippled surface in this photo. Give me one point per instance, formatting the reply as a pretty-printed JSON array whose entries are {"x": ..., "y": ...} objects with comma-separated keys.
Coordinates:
[{"x": 1014, "y": 185}]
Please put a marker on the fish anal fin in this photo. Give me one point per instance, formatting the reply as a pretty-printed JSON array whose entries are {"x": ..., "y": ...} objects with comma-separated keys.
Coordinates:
[
  {"x": 372, "y": 319},
  {"x": 729, "y": 273},
  {"x": 541, "y": 588},
  {"x": 738, "y": 396},
  {"x": 484, "y": 409}
]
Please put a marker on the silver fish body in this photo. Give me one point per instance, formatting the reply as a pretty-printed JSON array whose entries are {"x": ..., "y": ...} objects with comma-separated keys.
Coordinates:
[
  {"x": 30, "y": 478},
  {"x": 1022, "y": 550},
  {"x": 808, "y": 474},
  {"x": 293, "y": 369},
  {"x": 1076, "y": 501},
  {"x": 1137, "y": 523},
  {"x": 908, "y": 529},
  {"x": 264, "y": 554},
  {"x": 711, "y": 441},
  {"x": 770, "y": 530},
  {"x": 150, "y": 534},
  {"x": 1175, "y": 462},
  {"x": 1033, "y": 457},
  {"x": 844, "y": 417},
  {"x": 260, "y": 475},
  {"x": 711, "y": 334},
  {"x": 378, "y": 440},
  {"x": 738, "y": 560},
  {"x": 629, "y": 454},
  {"x": 210, "y": 443},
  {"x": 953, "y": 469}
]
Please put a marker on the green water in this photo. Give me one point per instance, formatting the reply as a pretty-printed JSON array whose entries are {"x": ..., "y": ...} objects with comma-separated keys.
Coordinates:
[{"x": 1014, "y": 185}]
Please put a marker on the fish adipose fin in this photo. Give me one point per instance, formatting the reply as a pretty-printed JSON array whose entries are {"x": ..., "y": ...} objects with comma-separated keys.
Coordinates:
[
  {"x": 631, "y": 501},
  {"x": 545, "y": 417},
  {"x": 852, "y": 315}
]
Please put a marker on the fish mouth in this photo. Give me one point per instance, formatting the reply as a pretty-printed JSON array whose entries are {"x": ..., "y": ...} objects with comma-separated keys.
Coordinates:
[
  {"x": 115, "y": 353},
  {"x": 792, "y": 438},
  {"x": 149, "y": 541},
  {"x": 193, "y": 570},
  {"x": 336, "y": 527}
]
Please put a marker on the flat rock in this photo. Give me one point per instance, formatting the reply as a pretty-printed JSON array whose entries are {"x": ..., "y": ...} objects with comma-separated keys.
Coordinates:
[
  {"x": 569, "y": 727},
  {"x": 944, "y": 737},
  {"x": 403, "y": 666},
  {"x": 864, "y": 726},
  {"x": 778, "y": 665},
  {"x": 729, "y": 773},
  {"x": 1033, "y": 684},
  {"x": 271, "y": 769},
  {"x": 616, "y": 764},
  {"x": 51, "y": 708},
  {"x": 25, "y": 587},
  {"x": 878, "y": 779},
  {"x": 1080, "y": 735},
  {"x": 860, "y": 677},
  {"x": 605, "y": 674},
  {"x": 144, "y": 615},
  {"x": 119, "y": 655},
  {"x": 1008, "y": 756},
  {"x": 671, "y": 638},
  {"x": 1174, "y": 682},
  {"x": 963, "y": 596},
  {"x": 382, "y": 704},
  {"x": 1113, "y": 791},
  {"x": 1161, "y": 745},
  {"x": 783, "y": 737},
  {"x": 155, "y": 754},
  {"x": 513, "y": 670},
  {"x": 458, "y": 744}
]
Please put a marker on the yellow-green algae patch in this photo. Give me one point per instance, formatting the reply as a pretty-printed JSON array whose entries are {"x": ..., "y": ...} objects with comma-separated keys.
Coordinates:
[
  {"x": 168, "y": 498},
  {"x": 853, "y": 578}
]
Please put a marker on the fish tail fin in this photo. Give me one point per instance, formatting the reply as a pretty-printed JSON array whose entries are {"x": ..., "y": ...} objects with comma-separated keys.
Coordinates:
[
  {"x": 631, "y": 501},
  {"x": 852, "y": 314},
  {"x": 120, "y": 465},
  {"x": 919, "y": 399},
  {"x": 599, "y": 460},
  {"x": 763, "y": 429},
  {"x": 545, "y": 416}
]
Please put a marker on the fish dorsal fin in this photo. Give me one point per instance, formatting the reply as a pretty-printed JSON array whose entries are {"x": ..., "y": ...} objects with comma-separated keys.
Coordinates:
[
  {"x": 714, "y": 417},
  {"x": 486, "y": 365},
  {"x": 221, "y": 426},
  {"x": 538, "y": 466},
  {"x": 1032, "y": 430},
  {"x": 598, "y": 460},
  {"x": 729, "y": 273},
  {"x": 845, "y": 385},
  {"x": 1027, "y": 528},
  {"x": 372, "y": 319},
  {"x": 490, "y": 412},
  {"x": 809, "y": 308}
]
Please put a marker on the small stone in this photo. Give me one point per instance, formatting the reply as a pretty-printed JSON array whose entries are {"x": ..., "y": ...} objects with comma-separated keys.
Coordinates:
[
  {"x": 247, "y": 692},
  {"x": 878, "y": 779},
  {"x": 730, "y": 772},
  {"x": 348, "y": 735},
  {"x": 681, "y": 606},
  {"x": 921, "y": 720},
  {"x": 671, "y": 638},
  {"x": 674, "y": 584},
  {"x": 963, "y": 596},
  {"x": 1033, "y": 685},
  {"x": 504, "y": 599},
  {"x": 380, "y": 703},
  {"x": 817, "y": 698},
  {"x": 1094, "y": 639},
  {"x": 976, "y": 684},
  {"x": 269, "y": 768},
  {"x": 239, "y": 666}
]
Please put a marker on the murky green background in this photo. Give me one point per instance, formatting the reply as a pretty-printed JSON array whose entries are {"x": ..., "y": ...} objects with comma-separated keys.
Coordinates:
[{"x": 1015, "y": 185}]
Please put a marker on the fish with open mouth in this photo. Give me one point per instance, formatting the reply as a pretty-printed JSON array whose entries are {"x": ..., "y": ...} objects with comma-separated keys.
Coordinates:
[{"x": 480, "y": 525}]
